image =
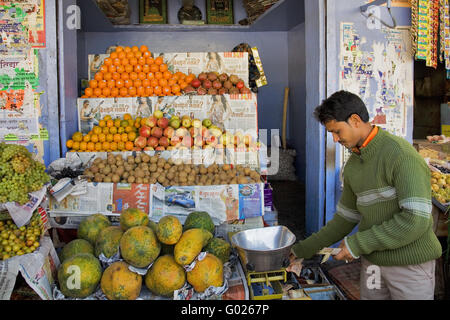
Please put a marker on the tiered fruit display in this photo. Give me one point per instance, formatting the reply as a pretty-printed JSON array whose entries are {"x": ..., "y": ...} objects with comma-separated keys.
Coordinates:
[
  {"x": 134, "y": 72},
  {"x": 213, "y": 83},
  {"x": 20, "y": 174},
  {"x": 109, "y": 135},
  {"x": 440, "y": 187},
  {"x": 146, "y": 169},
  {"x": 160, "y": 133},
  {"x": 140, "y": 246},
  {"x": 16, "y": 241}
]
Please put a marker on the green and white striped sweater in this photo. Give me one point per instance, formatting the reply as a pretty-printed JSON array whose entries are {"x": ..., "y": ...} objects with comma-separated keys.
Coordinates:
[{"x": 387, "y": 192}]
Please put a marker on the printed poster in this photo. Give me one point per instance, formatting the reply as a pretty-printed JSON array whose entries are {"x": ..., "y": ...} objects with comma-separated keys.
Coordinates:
[{"x": 127, "y": 196}]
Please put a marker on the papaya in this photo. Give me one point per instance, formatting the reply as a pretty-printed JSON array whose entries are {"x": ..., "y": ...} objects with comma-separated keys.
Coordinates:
[
  {"x": 120, "y": 283},
  {"x": 169, "y": 230},
  {"x": 79, "y": 275},
  {"x": 220, "y": 248},
  {"x": 199, "y": 219},
  {"x": 152, "y": 225},
  {"x": 207, "y": 272},
  {"x": 165, "y": 276},
  {"x": 108, "y": 241},
  {"x": 190, "y": 245},
  {"x": 90, "y": 228},
  {"x": 139, "y": 246},
  {"x": 132, "y": 218},
  {"x": 75, "y": 247}
]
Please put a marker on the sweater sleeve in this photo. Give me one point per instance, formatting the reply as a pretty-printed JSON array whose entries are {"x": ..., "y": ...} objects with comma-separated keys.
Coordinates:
[
  {"x": 343, "y": 222},
  {"x": 411, "y": 180}
]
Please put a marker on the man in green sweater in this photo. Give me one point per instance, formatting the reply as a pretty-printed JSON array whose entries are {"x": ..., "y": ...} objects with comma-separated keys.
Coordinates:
[{"x": 387, "y": 194}]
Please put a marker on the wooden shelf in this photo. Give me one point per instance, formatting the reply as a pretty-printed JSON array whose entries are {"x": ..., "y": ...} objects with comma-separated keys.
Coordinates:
[{"x": 282, "y": 16}]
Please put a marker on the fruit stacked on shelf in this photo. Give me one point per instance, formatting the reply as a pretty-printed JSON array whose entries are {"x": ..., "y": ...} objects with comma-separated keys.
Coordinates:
[
  {"x": 20, "y": 174},
  {"x": 212, "y": 83},
  {"x": 134, "y": 72},
  {"x": 440, "y": 187},
  {"x": 158, "y": 133},
  {"x": 16, "y": 241},
  {"x": 146, "y": 169}
]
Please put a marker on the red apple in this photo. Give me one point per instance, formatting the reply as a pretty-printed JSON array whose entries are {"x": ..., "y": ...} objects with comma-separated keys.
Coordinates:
[
  {"x": 207, "y": 84},
  {"x": 164, "y": 142},
  {"x": 145, "y": 131},
  {"x": 169, "y": 132},
  {"x": 201, "y": 91},
  {"x": 228, "y": 84},
  {"x": 212, "y": 76},
  {"x": 212, "y": 91},
  {"x": 223, "y": 77},
  {"x": 189, "y": 89},
  {"x": 240, "y": 84},
  {"x": 212, "y": 140},
  {"x": 151, "y": 122},
  {"x": 202, "y": 76},
  {"x": 140, "y": 142},
  {"x": 188, "y": 141},
  {"x": 234, "y": 91},
  {"x": 222, "y": 91},
  {"x": 181, "y": 132},
  {"x": 149, "y": 148},
  {"x": 152, "y": 142},
  {"x": 217, "y": 84},
  {"x": 137, "y": 149},
  {"x": 160, "y": 148},
  {"x": 196, "y": 83},
  {"x": 234, "y": 79},
  {"x": 157, "y": 132},
  {"x": 163, "y": 123},
  {"x": 175, "y": 140}
]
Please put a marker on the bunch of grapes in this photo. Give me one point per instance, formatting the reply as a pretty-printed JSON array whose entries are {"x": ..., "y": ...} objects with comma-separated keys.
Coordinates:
[{"x": 19, "y": 174}]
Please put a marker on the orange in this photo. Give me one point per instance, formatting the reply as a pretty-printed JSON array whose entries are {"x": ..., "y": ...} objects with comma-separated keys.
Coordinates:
[
  {"x": 124, "y": 61},
  {"x": 143, "y": 121},
  {"x": 124, "y": 137},
  {"x": 140, "y": 91},
  {"x": 137, "y": 122},
  {"x": 87, "y": 138},
  {"x": 108, "y": 61},
  {"x": 97, "y": 92},
  {"x": 138, "y": 55},
  {"x": 142, "y": 75},
  {"x": 127, "y": 116},
  {"x": 106, "y": 145},
  {"x": 114, "y": 92},
  {"x": 159, "y": 61},
  {"x": 154, "y": 83},
  {"x": 109, "y": 137},
  {"x": 158, "y": 75},
  {"x": 121, "y": 55},
  {"x": 145, "y": 82},
  {"x": 105, "y": 130},
  {"x": 104, "y": 68},
  {"x": 189, "y": 78},
  {"x": 150, "y": 75},
  {"x": 167, "y": 75},
  {"x": 157, "y": 90},
  {"x": 94, "y": 138},
  {"x": 128, "y": 129},
  {"x": 119, "y": 49},
  {"x": 129, "y": 145},
  {"x": 69, "y": 144},
  {"x": 133, "y": 61},
  {"x": 97, "y": 130},
  {"x": 137, "y": 83},
  {"x": 137, "y": 68},
  {"x": 166, "y": 90},
  {"x": 154, "y": 68},
  {"x": 132, "y": 91},
  {"x": 121, "y": 146},
  {"x": 119, "y": 83},
  {"x": 117, "y": 62},
  {"x": 183, "y": 85},
  {"x": 132, "y": 136},
  {"x": 141, "y": 61},
  {"x": 102, "y": 84},
  {"x": 163, "y": 67},
  {"x": 146, "y": 54},
  {"x": 84, "y": 96},
  {"x": 133, "y": 76},
  {"x": 110, "y": 123},
  {"x": 123, "y": 91},
  {"x": 117, "y": 122},
  {"x": 93, "y": 83},
  {"x": 107, "y": 117},
  {"x": 98, "y": 146},
  {"x": 146, "y": 68},
  {"x": 129, "y": 55},
  {"x": 83, "y": 146},
  {"x": 113, "y": 55},
  {"x": 143, "y": 48},
  {"x": 150, "y": 61},
  {"x": 88, "y": 92},
  {"x": 106, "y": 92},
  {"x": 90, "y": 146},
  {"x": 134, "y": 49},
  {"x": 128, "y": 68},
  {"x": 162, "y": 82},
  {"x": 117, "y": 137},
  {"x": 112, "y": 69},
  {"x": 175, "y": 77},
  {"x": 116, "y": 76},
  {"x": 102, "y": 123},
  {"x": 98, "y": 76},
  {"x": 101, "y": 137},
  {"x": 76, "y": 145},
  {"x": 120, "y": 69},
  {"x": 176, "y": 88},
  {"x": 127, "y": 49},
  {"x": 127, "y": 83},
  {"x": 125, "y": 76},
  {"x": 148, "y": 91},
  {"x": 113, "y": 146},
  {"x": 111, "y": 84},
  {"x": 120, "y": 130},
  {"x": 171, "y": 82}
]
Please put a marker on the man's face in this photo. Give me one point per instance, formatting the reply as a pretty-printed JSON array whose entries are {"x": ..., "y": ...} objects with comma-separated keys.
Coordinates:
[{"x": 344, "y": 132}]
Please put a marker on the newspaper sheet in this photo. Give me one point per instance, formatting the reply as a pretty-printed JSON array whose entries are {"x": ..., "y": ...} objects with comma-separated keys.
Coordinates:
[{"x": 37, "y": 268}]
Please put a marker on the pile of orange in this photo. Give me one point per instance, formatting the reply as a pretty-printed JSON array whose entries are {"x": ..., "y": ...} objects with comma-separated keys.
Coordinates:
[
  {"x": 108, "y": 136},
  {"x": 134, "y": 72}
]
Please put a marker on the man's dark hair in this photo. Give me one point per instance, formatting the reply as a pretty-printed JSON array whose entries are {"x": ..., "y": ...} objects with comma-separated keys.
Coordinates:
[{"x": 340, "y": 106}]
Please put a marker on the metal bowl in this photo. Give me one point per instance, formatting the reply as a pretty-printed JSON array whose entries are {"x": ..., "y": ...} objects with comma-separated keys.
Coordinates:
[{"x": 264, "y": 249}]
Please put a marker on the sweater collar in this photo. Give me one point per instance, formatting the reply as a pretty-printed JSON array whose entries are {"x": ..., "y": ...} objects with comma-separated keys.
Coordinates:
[{"x": 372, "y": 146}]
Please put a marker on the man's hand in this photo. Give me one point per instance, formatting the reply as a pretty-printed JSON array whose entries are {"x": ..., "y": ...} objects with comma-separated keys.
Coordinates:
[{"x": 344, "y": 254}]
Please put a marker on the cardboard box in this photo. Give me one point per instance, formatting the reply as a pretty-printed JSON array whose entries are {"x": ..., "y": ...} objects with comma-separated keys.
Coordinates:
[{"x": 440, "y": 151}]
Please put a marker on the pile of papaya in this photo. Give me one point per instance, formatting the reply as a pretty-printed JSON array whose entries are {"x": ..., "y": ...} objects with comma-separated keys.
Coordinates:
[{"x": 164, "y": 249}]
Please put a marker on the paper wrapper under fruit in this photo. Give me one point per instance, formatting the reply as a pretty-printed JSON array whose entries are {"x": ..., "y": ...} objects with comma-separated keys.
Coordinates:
[{"x": 37, "y": 268}]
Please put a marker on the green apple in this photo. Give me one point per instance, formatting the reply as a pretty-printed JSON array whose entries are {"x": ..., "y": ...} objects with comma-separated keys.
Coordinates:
[
  {"x": 196, "y": 123},
  {"x": 207, "y": 123},
  {"x": 175, "y": 123},
  {"x": 158, "y": 114},
  {"x": 186, "y": 122}
]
